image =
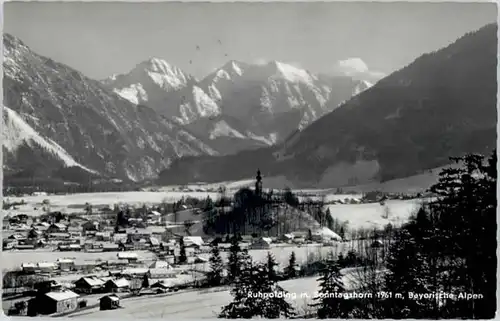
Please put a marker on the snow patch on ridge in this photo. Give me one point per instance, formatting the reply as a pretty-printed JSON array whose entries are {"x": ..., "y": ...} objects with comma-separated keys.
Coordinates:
[
  {"x": 222, "y": 128},
  {"x": 16, "y": 132},
  {"x": 205, "y": 105},
  {"x": 135, "y": 93}
]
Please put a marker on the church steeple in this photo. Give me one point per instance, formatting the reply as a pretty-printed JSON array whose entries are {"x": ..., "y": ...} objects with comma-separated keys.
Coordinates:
[{"x": 258, "y": 183}]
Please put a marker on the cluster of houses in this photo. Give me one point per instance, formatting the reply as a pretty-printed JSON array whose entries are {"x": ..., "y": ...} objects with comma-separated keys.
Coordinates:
[{"x": 55, "y": 298}]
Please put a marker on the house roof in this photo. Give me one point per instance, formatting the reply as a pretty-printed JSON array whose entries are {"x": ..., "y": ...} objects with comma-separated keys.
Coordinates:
[
  {"x": 109, "y": 246},
  {"x": 160, "y": 265},
  {"x": 59, "y": 225},
  {"x": 28, "y": 265},
  {"x": 65, "y": 260},
  {"x": 154, "y": 241},
  {"x": 61, "y": 296},
  {"x": 112, "y": 297},
  {"x": 193, "y": 240},
  {"x": 159, "y": 284},
  {"x": 265, "y": 239},
  {"x": 117, "y": 261},
  {"x": 127, "y": 255},
  {"x": 120, "y": 283},
  {"x": 138, "y": 231},
  {"x": 155, "y": 213},
  {"x": 92, "y": 281},
  {"x": 46, "y": 265},
  {"x": 130, "y": 271},
  {"x": 161, "y": 271}
]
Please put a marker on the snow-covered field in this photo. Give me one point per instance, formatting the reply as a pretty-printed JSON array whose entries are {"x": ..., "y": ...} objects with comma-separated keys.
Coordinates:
[
  {"x": 75, "y": 202},
  {"x": 203, "y": 304},
  {"x": 369, "y": 215}
]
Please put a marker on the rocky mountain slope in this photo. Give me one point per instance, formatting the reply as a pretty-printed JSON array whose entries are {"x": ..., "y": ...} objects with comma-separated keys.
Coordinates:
[
  {"x": 443, "y": 104},
  {"x": 238, "y": 106},
  {"x": 56, "y": 117}
]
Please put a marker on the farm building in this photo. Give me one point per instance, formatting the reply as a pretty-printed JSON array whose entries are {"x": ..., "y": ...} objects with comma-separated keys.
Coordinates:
[
  {"x": 154, "y": 217},
  {"x": 35, "y": 233},
  {"x": 325, "y": 234},
  {"x": 57, "y": 302},
  {"x": 154, "y": 242},
  {"x": 117, "y": 262},
  {"x": 47, "y": 286},
  {"x": 160, "y": 285},
  {"x": 120, "y": 285},
  {"x": 41, "y": 226},
  {"x": 286, "y": 238},
  {"x": 46, "y": 267},
  {"x": 90, "y": 226},
  {"x": 103, "y": 236},
  {"x": 160, "y": 265},
  {"x": 89, "y": 285},
  {"x": 127, "y": 256},
  {"x": 137, "y": 234},
  {"x": 261, "y": 243},
  {"x": 69, "y": 247},
  {"x": 110, "y": 247},
  {"x": 65, "y": 264},
  {"x": 109, "y": 302},
  {"x": 162, "y": 273},
  {"x": 85, "y": 266},
  {"x": 196, "y": 241},
  {"x": 57, "y": 228},
  {"x": 59, "y": 236},
  {"x": 135, "y": 272}
]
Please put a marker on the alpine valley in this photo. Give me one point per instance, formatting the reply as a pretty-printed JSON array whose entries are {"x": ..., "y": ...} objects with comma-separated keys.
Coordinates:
[
  {"x": 60, "y": 124},
  {"x": 442, "y": 104}
]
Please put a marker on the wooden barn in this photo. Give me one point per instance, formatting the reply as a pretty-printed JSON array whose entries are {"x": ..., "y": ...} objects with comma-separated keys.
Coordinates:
[
  {"x": 109, "y": 302},
  {"x": 57, "y": 302}
]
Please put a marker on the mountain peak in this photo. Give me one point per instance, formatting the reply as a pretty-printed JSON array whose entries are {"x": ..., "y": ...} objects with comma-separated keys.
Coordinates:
[{"x": 290, "y": 73}]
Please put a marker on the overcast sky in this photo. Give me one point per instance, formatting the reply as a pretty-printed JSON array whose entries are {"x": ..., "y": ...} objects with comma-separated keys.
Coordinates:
[{"x": 101, "y": 39}]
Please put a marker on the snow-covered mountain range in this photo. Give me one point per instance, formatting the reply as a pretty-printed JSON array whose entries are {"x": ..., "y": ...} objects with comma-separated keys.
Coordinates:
[
  {"x": 54, "y": 116},
  {"x": 239, "y": 105},
  {"x": 443, "y": 104},
  {"x": 134, "y": 125}
]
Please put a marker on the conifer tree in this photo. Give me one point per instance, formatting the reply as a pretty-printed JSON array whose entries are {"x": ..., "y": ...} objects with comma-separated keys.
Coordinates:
[
  {"x": 290, "y": 270},
  {"x": 254, "y": 295},
  {"x": 234, "y": 264},
  {"x": 215, "y": 276},
  {"x": 145, "y": 281},
  {"x": 328, "y": 303},
  {"x": 272, "y": 266},
  {"x": 182, "y": 251}
]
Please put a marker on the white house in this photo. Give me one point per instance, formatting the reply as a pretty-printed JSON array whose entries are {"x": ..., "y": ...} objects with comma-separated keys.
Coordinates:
[
  {"x": 127, "y": 256},
  {"x": 135, "y": 271},
  {"x": 193, "y": 240},
  {"x": 46, "y": 267},
  {"x": 161, "y": 273},
  {"x": 65, "y": 264}
]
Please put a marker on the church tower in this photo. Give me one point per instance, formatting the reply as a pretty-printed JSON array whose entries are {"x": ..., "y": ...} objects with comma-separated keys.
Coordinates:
[{"x": 258, "y": 183}]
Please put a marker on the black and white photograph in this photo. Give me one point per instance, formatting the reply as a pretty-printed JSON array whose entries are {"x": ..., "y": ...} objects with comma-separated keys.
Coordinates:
[{"x": 226, "y": 160}]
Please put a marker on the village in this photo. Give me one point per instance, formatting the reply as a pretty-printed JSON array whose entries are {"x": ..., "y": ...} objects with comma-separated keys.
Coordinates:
[
  {"x": 94, "y": 262},
  {"x": 69, "y": 261}
]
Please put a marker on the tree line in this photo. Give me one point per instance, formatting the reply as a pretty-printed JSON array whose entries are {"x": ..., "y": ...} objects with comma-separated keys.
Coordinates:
[{"x": 448, "y": 247}]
